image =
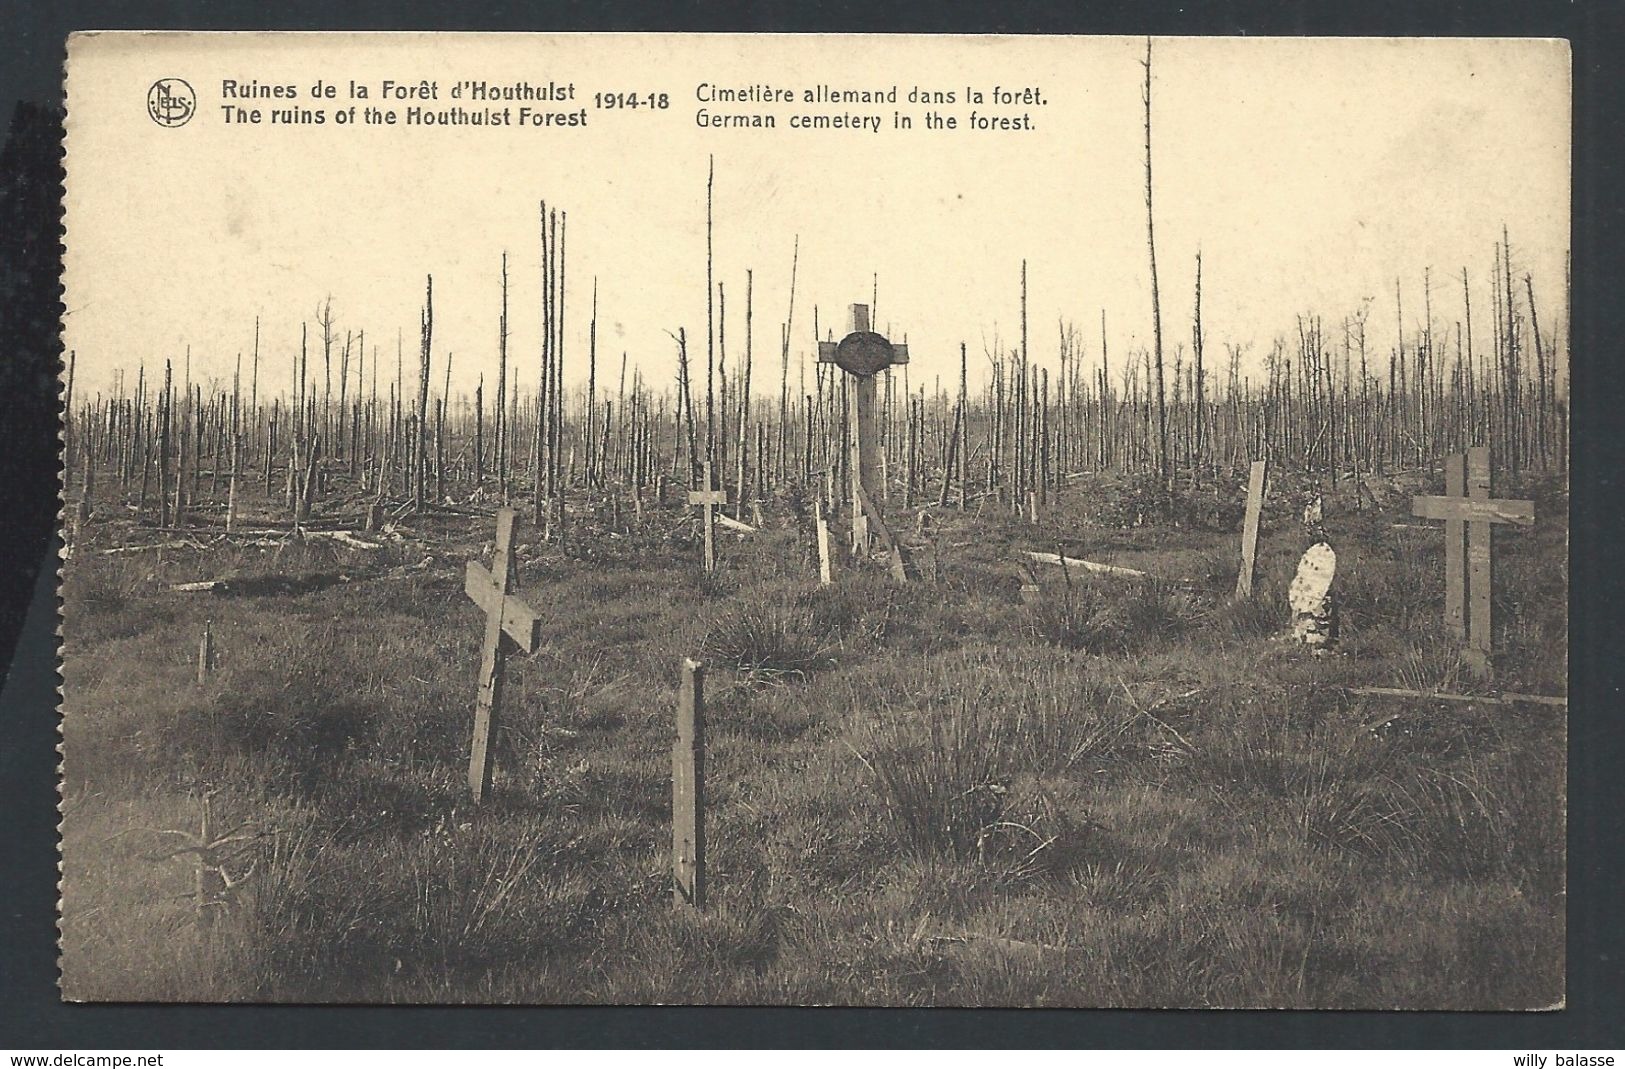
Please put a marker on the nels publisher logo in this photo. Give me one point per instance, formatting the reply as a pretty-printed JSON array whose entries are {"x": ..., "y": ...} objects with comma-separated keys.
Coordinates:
[{"x": 171, "y": 102}]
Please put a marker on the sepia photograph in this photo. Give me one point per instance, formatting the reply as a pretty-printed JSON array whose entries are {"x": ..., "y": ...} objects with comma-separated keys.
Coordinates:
[{"x": 815, "y": 520}]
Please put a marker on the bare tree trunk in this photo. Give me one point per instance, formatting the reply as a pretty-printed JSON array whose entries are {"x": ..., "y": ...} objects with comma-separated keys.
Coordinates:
[
  {"x": 590, "y": 442},
  {"x": 1196, "y": 346},
  {"x": 784, "y": 358},
  {"x": 561, "y": 267},
  {"x": 427, "y": 336},
  {"x": 710, "y": 325},
  {"x": 1540, "y": 373},
  {"x": 685, "y": 404},
  {"x": 744, "y": 399},
  {"x": 542, "y": 437},
  {"x": 326, "y": 322},
  {"x": 1156, "y": 304},
  {"x": 499, "y": 414},
  {"x": 1513, "y": 447}
]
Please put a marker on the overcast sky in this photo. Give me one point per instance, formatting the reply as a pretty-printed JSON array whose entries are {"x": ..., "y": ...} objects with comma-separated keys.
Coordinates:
[{"x": 1310, "y": 174}]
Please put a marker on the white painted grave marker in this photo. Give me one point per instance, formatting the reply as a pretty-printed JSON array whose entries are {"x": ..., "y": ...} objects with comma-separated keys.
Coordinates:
[{"x": 1314, "y": 613}]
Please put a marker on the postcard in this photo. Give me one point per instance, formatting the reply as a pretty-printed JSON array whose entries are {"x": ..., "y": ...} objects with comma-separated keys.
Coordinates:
[{"x": 815, "y": 520}]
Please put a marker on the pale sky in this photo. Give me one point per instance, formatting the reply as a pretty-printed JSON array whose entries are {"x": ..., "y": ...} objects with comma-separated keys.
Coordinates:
[{"x": 1310, "y": 173}]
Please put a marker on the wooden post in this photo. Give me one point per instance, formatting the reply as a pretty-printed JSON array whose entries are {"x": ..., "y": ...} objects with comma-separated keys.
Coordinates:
[
  {"x": 688, "y": 791},
  {"x": 709, "y": 499},
  {"x": 205, "y": 653},
  {"x": 1249, "y": 531},
  {"x": 825, "y": 576},
  {"x": 507, "y": 616},
  {"x": 208, "y": 883}
]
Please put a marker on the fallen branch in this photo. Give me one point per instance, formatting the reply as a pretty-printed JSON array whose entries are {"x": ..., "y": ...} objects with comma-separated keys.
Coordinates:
[
  {"x": 345, "y": 538},
  {"x": 1087, "y": 565},
  {"x": 149, "y": 545},
  {"x": 1103, "y": 569},
  {"x": 735, "y": 525},
  {"x": 1444, "y": 695}
]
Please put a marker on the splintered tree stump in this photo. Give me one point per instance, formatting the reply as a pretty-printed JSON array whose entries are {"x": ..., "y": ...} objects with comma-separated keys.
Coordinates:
[{"x": 1314, "y": 606}]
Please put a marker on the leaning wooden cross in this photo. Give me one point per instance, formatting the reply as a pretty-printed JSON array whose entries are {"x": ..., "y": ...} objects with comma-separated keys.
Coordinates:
[
  {"x": 709, "y": 499},
  {"x": 507, "y": 619},
  {"x": 862, "y": 354},
  {"x": 1467, "y": 510}
]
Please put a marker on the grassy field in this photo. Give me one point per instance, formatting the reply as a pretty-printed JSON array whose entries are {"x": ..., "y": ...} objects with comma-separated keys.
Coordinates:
[{"x": 1130, "y": 794}]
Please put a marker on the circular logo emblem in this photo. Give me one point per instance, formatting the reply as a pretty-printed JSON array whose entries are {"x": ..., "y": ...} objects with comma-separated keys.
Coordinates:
[
  {"x": 863, "y": 353},
  {"x": 171, "y": 102}
]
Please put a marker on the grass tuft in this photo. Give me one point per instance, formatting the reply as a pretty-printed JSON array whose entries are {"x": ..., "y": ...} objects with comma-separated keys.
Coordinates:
[
  {"x": 944, "y": 779},
  {"x": 768, "y": 642}
]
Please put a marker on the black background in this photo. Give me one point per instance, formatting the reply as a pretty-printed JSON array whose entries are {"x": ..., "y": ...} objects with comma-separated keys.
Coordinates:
[{"x": 31, "y": 1016}]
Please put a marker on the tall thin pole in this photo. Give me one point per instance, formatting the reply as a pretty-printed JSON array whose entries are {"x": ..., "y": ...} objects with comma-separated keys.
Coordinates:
[
  {"x": 1156, "y": 304},
  {"x": 710, "y": 328}
]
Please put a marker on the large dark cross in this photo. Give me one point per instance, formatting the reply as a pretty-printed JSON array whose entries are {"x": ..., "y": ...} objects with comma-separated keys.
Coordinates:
[
  {"x": 1467, "y": 509},
  {"x": 863, "y": 354},
  {"x": 507, "y": 619}
]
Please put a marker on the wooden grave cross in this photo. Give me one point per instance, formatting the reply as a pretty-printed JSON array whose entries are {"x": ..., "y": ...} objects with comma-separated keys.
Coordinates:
[
  {"x": 863, "y": 354},
  {"x": 508, "y": 619},
  {"x": 1467, "y": 509},
  {"x": 709, "y": 499}
]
